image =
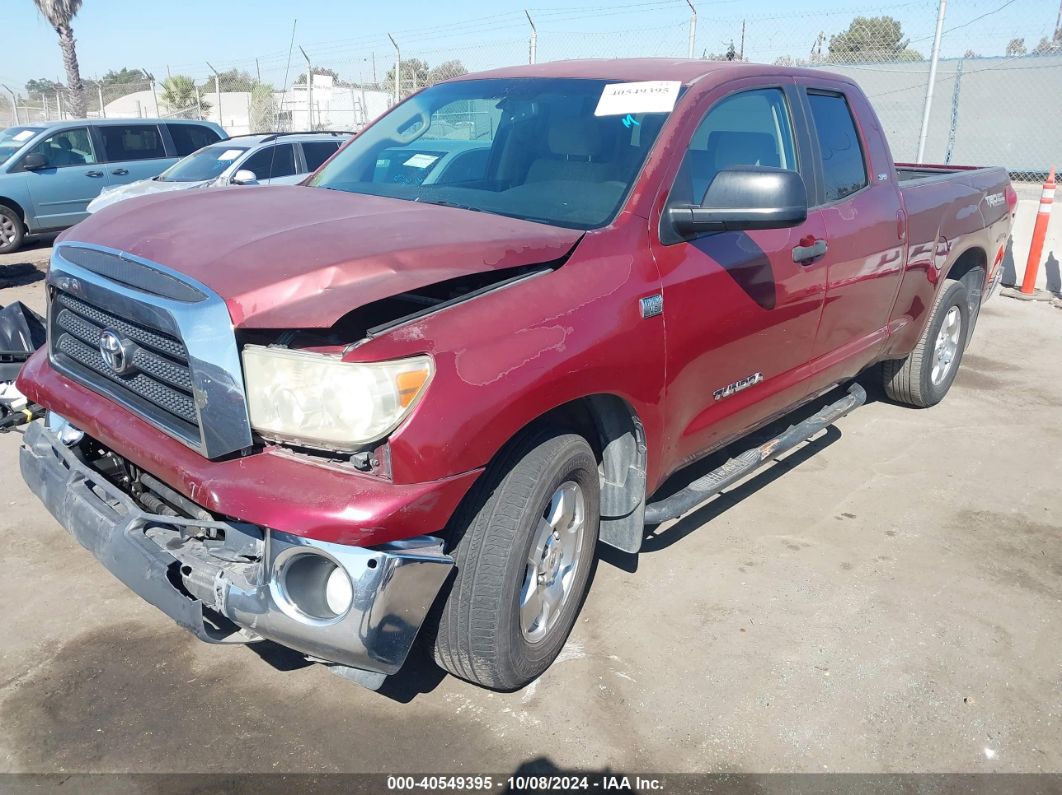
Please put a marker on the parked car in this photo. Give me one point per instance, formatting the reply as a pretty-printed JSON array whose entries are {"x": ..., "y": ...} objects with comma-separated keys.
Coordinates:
[
  {"x": 49, "y": 172},
  {"x": 262, "y": 159},
  {"x": 332, "y": 414}
]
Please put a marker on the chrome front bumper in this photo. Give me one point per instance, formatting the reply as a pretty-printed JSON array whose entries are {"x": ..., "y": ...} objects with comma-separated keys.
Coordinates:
[{"x": 230, "y": 592}]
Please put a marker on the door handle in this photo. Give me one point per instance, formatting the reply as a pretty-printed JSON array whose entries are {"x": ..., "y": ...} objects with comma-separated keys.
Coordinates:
[
  {"x": 810, "y": 248},
  {"x": 93, "y": 173},
  {"x": 121, "y": 172}
]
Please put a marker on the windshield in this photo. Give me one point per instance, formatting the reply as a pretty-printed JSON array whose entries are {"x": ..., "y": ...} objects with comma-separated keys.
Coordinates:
[
  {"x": 14, "y": 138},
  {"x": 557, "y": 151},
  {"x": 207, "y": 163}
]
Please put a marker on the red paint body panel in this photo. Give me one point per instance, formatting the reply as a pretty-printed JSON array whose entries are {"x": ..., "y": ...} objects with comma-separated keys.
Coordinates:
[
  {"x": 734, "y": 304},
  {"x": 304, "y": 257},
  {"x": 273, "y": 489}
]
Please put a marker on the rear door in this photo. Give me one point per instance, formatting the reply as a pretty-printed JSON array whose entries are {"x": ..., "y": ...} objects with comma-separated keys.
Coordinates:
[
  {"x": 316, "y": 152},
  {"x": 133, "y": 151},
  {"x": 274, "y": 164},
  {"x": 860, "y": 205},
  {"x": 741, "y": 310},
  {"x": 188, "y": 138},
  {"x": 71, "y": 179}
]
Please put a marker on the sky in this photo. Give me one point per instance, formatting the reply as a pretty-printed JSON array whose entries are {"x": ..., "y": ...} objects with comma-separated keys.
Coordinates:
[{"x": 165, "y": 36}]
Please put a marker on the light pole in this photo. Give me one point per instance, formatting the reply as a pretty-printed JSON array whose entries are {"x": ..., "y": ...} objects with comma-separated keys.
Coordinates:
[
  {"x": 398, "y": 66},
  {"x": 217, "y": 90},
  {"x": 309, "y": 85},
  {"x": 693, "y": 29},
  {"x": 924, "y": 132},
  {"x": 533, "y": 51},
  {"x": 14, "y": 102}
]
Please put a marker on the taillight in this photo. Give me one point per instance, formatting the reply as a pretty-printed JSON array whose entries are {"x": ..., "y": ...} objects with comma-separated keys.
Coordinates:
[{"x": 1011, "y": 196}]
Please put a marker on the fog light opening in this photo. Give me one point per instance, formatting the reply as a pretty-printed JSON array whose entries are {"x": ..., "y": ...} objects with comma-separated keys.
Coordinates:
[{"x": 316, "y": 587}]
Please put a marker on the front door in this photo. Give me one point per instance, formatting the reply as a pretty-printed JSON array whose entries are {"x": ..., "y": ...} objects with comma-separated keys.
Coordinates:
[
  {"x": 741, "y": 308},
  {"x": 71, "y": 178}
]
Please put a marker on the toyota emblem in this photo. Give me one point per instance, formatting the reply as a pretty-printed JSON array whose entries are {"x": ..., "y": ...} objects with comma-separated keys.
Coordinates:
[{"x": 116, "y": 352}]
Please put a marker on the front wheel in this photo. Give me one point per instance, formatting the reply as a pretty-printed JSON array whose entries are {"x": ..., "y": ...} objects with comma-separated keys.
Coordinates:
[
  {"x": 926, "y": 375},
  {"x": 524, "y": 553},
  {"x": 11, "y": 230}
]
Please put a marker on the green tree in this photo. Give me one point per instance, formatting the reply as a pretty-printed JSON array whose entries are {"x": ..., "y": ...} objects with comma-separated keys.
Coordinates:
[
  {"x": 124, "y": 76},
  {"x": 60, "y": 13},
  {"x": 445, "y": 71},
  {"x": 1052, "y": 46},
  {"x": 872, "y": 39},
  {"x": 414, "y": 77},
  {"x": 230, "y": 80},
  {"x": 263, "y": 108},
  {"x": 178, "y": 95},
  {"x": 320, "y": 70},
  {"x": 42, "y": 87},
  {"x": 1016, "y": 48}
]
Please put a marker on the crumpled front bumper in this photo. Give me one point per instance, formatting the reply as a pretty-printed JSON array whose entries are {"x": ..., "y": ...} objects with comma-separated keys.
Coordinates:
[{"x": 204, "y": 587}]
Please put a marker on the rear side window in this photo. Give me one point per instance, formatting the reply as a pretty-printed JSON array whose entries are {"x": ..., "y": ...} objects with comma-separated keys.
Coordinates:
[
  {"x": 132, "y": 142},
  {"x": 272, "y": 162},
  {"x": 187, "y": 138},
  {"x": 843, "y": 168},
  {"x": 747, "y": 129},
  {"x": 316, "y": 152}
]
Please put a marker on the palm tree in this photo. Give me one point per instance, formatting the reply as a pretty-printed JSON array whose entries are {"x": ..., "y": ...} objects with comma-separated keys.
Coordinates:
[
  {"x": 59, "y": 14},
  {"x": 179, "y": 97}
]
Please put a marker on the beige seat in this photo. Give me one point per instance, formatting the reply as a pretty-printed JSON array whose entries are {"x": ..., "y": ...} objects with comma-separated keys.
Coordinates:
[{"x": 574, "y": 145}]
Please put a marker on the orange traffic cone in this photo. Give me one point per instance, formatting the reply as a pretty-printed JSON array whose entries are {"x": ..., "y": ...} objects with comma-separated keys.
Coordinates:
[{"x": 1043, "y": 215}]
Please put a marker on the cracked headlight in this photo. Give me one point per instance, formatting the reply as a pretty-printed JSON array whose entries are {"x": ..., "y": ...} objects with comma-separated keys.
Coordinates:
[{"x": 321, "y": 401}]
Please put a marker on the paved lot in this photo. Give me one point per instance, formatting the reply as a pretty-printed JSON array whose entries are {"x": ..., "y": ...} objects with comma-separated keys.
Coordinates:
[{"x": 887, "y": 599}]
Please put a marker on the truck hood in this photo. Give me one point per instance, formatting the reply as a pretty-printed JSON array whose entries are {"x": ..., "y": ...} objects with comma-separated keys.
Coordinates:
[{"x": 300, "y": 257}]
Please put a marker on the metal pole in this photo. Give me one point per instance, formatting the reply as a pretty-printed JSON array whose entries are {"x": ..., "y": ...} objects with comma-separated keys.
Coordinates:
[
  {"x": 309, "y": 85},
  {"x": 741, "y": 52},
  {"x": 14, "y": 102},
  {"x": 198, "y": 104},
  {"x": 217, "y": 90},
  {"x": 44, "y": 100},
  {"x": 58, "y": 106},
  {"x": 932, "y": 79},
  {"x": 693, "y": 30},
  {"x": 398, "y": 67},
  {"x": 533, "y": 52},
  {"x": 155, "y": 96},
  {"x": 103, "y": 110}
]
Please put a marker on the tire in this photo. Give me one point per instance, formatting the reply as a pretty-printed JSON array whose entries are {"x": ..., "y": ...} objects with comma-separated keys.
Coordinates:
[
  {"x": 483, "y": 635},
  {"x": 915, "y": 380},
  {"x": 12, "y": 232}
]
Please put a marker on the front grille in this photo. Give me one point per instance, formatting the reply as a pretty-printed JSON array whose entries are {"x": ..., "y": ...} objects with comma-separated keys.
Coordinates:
[{"x": 159, "y": 383}]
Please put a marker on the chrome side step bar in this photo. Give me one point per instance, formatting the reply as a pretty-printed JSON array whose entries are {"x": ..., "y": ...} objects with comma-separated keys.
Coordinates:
[{"x": 735, "y": 469}]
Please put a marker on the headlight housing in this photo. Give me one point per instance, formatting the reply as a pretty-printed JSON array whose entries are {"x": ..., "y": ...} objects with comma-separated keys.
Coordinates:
[{"x": 321, "y": 401}]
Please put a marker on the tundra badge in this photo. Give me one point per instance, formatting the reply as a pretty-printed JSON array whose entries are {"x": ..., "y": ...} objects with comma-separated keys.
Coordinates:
[{"x": 737, "y": 386}]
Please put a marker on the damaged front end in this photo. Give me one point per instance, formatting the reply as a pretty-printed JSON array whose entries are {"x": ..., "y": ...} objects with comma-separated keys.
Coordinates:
[{"x": 355, "y": 608}]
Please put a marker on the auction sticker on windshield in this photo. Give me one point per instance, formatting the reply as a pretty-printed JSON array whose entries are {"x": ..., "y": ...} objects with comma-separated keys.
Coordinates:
[
  {"x": 647, "y": 96},
  {"x": 230, "y": 154},
  {"x": 421, "y": 161}
]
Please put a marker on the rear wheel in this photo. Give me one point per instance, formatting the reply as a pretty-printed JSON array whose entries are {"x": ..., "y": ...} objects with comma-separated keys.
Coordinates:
[
  {"x": 523, "y": 557},
  {"x": 926, "y": 375},
  {"x": 11, "y": 230}
]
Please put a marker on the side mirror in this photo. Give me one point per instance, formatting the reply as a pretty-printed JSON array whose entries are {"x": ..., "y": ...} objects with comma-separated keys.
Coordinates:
[
  {"x": 34, "y": 161},
  {"x": 745, "y": 197},
  {"x": 244, "y": 177}
]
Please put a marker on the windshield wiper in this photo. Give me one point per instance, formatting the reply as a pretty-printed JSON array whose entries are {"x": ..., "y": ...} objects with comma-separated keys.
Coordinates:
[{"x": 444, "y": 203}]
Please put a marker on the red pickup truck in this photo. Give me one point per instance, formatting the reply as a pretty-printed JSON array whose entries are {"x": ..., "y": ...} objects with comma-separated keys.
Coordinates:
[{"x": 416, "y": 391}]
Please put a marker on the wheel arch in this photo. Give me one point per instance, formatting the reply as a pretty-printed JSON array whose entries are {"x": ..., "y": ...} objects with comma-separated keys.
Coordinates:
[
  {"x": 14, "y": 205},
  {"x": 973, "y": 257},
  {"x": 615, "y": 432}
]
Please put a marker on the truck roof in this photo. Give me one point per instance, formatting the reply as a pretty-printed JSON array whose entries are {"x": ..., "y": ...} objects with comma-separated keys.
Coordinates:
[{"x": 685, "y": 70}]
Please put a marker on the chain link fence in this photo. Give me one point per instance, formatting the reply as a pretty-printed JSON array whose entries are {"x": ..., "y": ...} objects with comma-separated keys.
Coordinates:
[{"x": 994, "y": 92}]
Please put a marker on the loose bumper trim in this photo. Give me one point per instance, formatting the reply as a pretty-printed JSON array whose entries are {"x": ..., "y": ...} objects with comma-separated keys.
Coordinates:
[{"x": 203, "y": 588}]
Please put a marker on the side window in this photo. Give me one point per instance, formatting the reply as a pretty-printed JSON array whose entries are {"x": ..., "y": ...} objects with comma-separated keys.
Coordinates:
[
  {"x": 67, "y": 148},
  {"x": 747, "y": 129},
  {"x": 844, "y": 170},
  {"x": 187, "y": 138},
  {"x": 316, "y": 152},
  {"x": 132, "y": 142},
  {"x": 272, "y": 162}
]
